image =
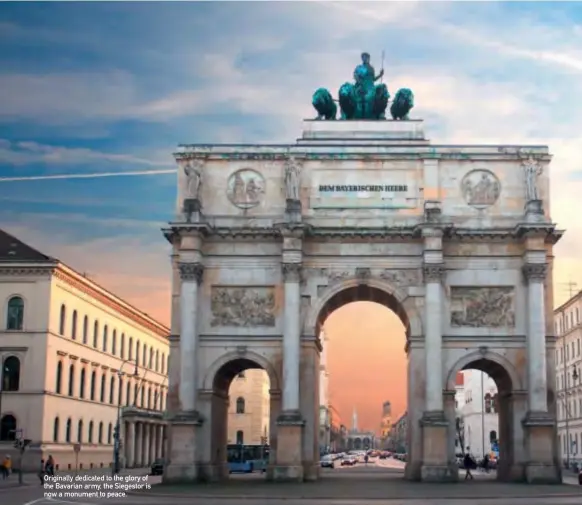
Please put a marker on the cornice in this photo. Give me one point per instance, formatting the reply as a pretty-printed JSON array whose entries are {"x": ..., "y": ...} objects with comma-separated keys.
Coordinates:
[{"x": 23, "y": 270}]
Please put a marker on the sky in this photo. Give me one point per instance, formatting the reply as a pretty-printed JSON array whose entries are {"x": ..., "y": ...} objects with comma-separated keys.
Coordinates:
[{"x": 101, "y": 88}]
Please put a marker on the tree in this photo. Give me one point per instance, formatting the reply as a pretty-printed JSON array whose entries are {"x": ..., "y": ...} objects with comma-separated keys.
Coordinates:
[{"x": 460, "y": 427}]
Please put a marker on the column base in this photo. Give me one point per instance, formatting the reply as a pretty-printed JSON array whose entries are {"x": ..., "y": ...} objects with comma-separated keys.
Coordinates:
[
  {"x": 435, "y": 467},
  {"x": 541, "y": 468},
  {"x": 288, "y": 460},
  {"x": 182, "y": 465}
]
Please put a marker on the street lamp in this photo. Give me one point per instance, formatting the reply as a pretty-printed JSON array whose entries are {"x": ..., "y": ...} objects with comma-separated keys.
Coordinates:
[
  {"x": 568, "y": 442},
  {"x": 117, "y": 432}
]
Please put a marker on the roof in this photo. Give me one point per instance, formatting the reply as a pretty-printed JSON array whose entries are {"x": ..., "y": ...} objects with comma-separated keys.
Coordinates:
[{"x": 12, "y": 249}]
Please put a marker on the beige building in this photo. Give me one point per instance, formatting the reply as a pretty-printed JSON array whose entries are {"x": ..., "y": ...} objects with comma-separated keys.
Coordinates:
[
  {"x": 70, "y": 351},
  {"x": 568, "y": 328},
  {"x": 248, "y": 412}
]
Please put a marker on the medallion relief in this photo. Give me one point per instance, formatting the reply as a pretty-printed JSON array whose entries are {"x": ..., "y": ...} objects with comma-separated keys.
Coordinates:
[
  {"x": 245, "y": 188},
  {"x": 483, "y": 307},
  {"x": 480, "y": 188},
  {"x": 243, "y": 307}
]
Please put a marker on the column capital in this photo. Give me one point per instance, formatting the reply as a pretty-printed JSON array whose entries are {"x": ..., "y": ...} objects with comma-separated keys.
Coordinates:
[
  {"x": 535, "y": 272},
  {"x": 433, "y": 272},
  {"x": 291, "y": 272},
  {"x": 191, "y": 271}
]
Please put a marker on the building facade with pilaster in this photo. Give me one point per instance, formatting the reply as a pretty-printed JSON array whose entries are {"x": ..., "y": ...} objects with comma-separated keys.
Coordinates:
[{"x": 75, "y": 356}]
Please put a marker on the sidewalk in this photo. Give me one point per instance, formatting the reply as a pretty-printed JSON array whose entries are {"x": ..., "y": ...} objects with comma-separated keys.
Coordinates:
[{"x": 31, "y": 478}]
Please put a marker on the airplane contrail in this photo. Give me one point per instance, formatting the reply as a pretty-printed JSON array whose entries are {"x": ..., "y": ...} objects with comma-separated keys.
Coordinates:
[{"x": 88, "y": 176}]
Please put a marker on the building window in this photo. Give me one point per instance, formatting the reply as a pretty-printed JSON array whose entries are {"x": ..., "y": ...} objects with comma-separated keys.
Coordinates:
[
  {"x": 59, "y": 377},
  {"x": 109, "y": 433},
  {"x": 240, "y": 405},
  {"x": 105, "y": 336},
  {"x": 90, "y": 434},
  {"x": 114, "y": 343},
  {"x": 71, "y": 380},
  {"x": 102, "y": 397},
  {"x": 157, "y": 360},
  {"x": 492, "y": 436},
  {"x": 100, "y": 434},
  {"x": 137, "y": 352},
  {"x": 74, "y": 325},
  {"x": 63, "y": 319},
  {"x": 82, "y": 384},
  {"x": 488, "y": 403},
  {"x": 149, "y": 397},
  {"x": 122, "y": 346},
  {"x": 68, "y": 430},
  {"x": 145, "y": 355},
  {"x": 240, "y": 437},
  {"x": 130, "y": 356},
  {"x": 56, "y": 429},
  {"x": 120, "y": 392},
  {"x": 163, "y": 362},
  {"x": 80, "y": 432},
  {"x": 141, "y": 398},
  {"x": 8, "y": 428},
  {"x": 95, "y": 333},
  {"x": 111, "y": 390},
  {"x": 135, "y": 394},
  {"x": 15, "y": 313},
  {"x": 11, "y": 374},
  {"x": 93, "y": 379},
  {"x": 151, "y": 362},
  {"x": 85, "y": 329},
  {"x": 127, "y": 392}
]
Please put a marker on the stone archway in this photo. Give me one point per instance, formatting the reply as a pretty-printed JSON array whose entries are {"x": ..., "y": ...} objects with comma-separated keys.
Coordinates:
[
  {"x": 367, "y": 288},
  {"x": 510, "y": 407}
]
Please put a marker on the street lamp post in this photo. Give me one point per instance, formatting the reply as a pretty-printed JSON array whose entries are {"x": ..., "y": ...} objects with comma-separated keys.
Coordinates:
[
  {"x": 1, "y": 383},
  {"x": 568, "y": 443},
  {"x": 117, "y": 432}
]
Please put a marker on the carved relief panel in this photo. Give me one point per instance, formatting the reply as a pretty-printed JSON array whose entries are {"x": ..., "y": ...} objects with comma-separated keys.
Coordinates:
[
  {"x": 483, "y": 307},
  {"x": 247, "y": 307},
  {"x": 480, "y": 188},
  {"x": 245, "y": 188}
]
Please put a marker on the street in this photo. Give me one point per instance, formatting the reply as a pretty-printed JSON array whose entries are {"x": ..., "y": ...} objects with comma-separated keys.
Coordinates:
[{"x": 378, "y": 483}]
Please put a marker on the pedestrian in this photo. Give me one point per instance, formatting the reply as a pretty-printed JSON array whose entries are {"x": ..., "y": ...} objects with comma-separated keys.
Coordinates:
[
  {"x": 41, "y": 472},
  {"x": 486, "y": 463},
  {"x": 49, "y": 467},
  {"x": 468, "y": 464},
  {"x": 6, "y": 466}
]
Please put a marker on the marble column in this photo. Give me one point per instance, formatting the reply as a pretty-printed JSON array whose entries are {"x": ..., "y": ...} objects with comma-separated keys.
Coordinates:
[
  {"x": 191, "y": 275},
  {"x": 291, "y": 336},
  {"x": 535, "y": 275},
  {"x": 433, "y": 274}
]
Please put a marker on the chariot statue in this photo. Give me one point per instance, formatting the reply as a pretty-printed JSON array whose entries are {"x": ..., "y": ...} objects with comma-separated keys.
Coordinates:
[{"x": 363, "y": 99}]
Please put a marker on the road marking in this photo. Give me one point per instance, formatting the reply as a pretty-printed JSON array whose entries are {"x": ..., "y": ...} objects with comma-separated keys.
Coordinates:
[{"x": 35, "y": 501}]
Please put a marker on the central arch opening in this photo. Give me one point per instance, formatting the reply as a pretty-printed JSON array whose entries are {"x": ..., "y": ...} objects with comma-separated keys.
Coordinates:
[{"x": 363, "y": 331}]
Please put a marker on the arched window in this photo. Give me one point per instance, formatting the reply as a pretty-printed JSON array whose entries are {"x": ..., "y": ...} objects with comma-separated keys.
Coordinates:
[
  {"x": 102, "y": 398},
  {"x": 59, "y": 377},
  {"x": 144, "y": 362},
  {"x": 135, "y": 394},
  {"x": 122, "y": 346},
  {"x": 85, "y": 329},
  {"x": 71, "y": 379},
  {"x": 82, "y": 384},
  {"x": 95, "y": 334},
  {"x": 68, "y": 430},
  {"x": 163, "y": 363},
  {"x": 63, "y": 319},
  {"x": 15, "y": 313},
  {"x": 80, "y": 432},
  {"x": 111, "y": 390},
  {"x": 127, "y": 392},
  {"x": 488, "y": 403},
  {"x": 7, "y": 427},
  {"x": 11, "y": 374},
  {"x": 240, "y": 437},
  {"x": 494, "y": 404},
  {"x": 56, "y": 429},
  {"x": 109, "y": 433},
  {"x": 120, "y": 394},
  {"x": 167, "y": 363},
  {"x": 93, "y": 380},
  {"x": 114, "y": 342},
  {"x": 157, "y": 360},
  {"x": 151, "y": 361},
  {"x": 105, "y": 335},
  {"x": 74, "y": 325},
  {"x": 100, "y": 433},
  {"x": 240, "y": 405},
  {"x": 492, "y": 436},
  {"x": 149, "y": 397},
  {"x": 141, "y": 398},
  {"x": 90, "y": 434},
  {"x": 137, "y": 352},
  {"x": 130, "y": 351}
]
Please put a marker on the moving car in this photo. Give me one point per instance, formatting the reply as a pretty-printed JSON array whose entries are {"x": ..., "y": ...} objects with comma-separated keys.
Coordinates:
[
  {"x": 157, "y": 467},
  {"x": 327, "y": 461}
]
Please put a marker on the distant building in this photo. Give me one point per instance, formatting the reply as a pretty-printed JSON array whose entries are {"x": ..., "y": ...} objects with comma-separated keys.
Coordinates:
[
  {"x": 69, "y": 350},
  {"x": 386, "y": 422},
  {"x": 249, "y": 408},
  {"x": 568, "y": 328},
  {"x": 398, "y": 438},
  {"x": 360, "y": 439},
  {"x": 325, "y": 416}
]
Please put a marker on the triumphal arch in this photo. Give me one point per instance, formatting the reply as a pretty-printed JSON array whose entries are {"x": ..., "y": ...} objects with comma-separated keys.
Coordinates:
[{"x": 268, "y": 240}]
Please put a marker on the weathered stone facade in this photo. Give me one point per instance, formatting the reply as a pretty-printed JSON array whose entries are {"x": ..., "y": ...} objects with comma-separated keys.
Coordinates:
[{"x": 448, "y": 237}]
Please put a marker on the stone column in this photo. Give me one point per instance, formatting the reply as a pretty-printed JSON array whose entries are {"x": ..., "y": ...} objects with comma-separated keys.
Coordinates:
[
  {"x": 130, "y": 444},
  {"x": 539, "y": 424},
  {"x": 191, "y": 275},
  {"x": 137, "y": 445},
  {"x": 290, "y": 423}
]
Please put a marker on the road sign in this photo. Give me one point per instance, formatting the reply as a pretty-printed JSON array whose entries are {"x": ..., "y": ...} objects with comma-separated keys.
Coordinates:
[{"x": 77, "y": 448}]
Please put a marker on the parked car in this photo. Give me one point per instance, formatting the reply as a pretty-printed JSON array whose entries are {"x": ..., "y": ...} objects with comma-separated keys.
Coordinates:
[
  {"x": 348, "y": 460},
  {"x": 157, "y": 467},
  {"x": 327, "y": 461}
]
